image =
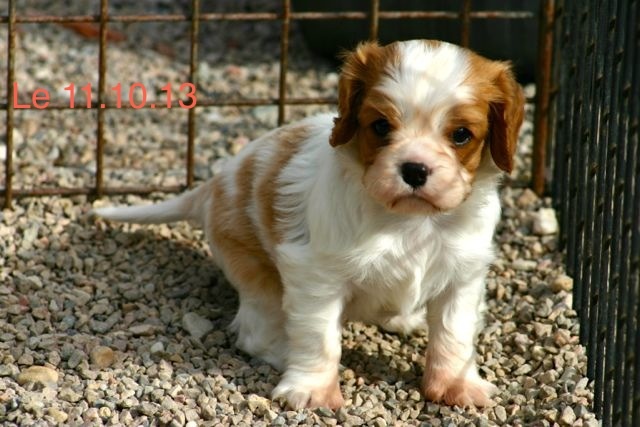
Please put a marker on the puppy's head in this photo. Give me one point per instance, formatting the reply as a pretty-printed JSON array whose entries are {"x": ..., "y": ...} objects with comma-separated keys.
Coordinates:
[{"x": 424, "y": 117}]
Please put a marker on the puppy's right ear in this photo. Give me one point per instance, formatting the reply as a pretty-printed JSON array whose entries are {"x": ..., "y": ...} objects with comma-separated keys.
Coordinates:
[{"x": 357, "y": 66}]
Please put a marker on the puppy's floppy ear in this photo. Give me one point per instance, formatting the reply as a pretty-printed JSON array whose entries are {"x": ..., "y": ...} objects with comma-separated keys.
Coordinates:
[
  {"x": 505, "y": 118},
  {"x": 351, "y": 87}
]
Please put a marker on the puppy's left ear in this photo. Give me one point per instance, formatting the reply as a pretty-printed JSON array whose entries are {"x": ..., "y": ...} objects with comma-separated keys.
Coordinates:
[
  {"x": 357, "y": 66},
  {"x": 505, "y": 119}
]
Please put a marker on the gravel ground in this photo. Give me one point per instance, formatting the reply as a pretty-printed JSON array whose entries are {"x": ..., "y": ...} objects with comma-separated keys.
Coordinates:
[{"x": 117, "y": 324}]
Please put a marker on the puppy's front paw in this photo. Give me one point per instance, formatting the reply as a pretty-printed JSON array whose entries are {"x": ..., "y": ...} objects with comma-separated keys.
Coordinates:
[
  {"x": 306, "y": 395},
  {"x": 438, "y": 385}
]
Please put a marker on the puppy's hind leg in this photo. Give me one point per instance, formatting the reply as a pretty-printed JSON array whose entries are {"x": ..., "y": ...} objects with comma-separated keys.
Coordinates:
[
  {"x": 259, "y": 325},
  {"x": 260, "y": 320},
  {"x": 236, "y": 248}
]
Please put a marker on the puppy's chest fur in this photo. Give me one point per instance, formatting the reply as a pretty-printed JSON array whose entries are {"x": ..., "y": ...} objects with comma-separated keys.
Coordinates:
[
  {"x": 393, "y": 273},
  {"x": 399, "y": 269}
]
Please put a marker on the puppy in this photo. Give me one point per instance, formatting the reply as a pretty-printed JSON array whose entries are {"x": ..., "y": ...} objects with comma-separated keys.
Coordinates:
[{"x": 384, "y": 214}]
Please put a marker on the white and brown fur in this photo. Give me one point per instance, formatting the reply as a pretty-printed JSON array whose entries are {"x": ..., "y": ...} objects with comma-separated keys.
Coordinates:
[{"x": 314, "y": 224}]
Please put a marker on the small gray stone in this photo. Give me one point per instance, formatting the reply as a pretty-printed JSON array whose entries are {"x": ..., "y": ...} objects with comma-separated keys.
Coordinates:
[
  {"x": 524, "y": 265},
  {"x": 38, "y": 374},
  {"x": 528, "y": 382},
  {"x": 562, "y": 337},
  {"x": 547, "y": 392},
  {"x": 544, "y": 308},
  {"x": 147, "y": 408},
  {"x": 69, "y": 395},
  {"x": 169, "y": 404},
  {"x": 266, "y": 114},
  {"x": 582, "y": 383},
  {"x": 270, "y": 415},
  {"x": 157, "y": 347},
  {"x": 91, "y": 415},
  {"x": 67, "y": 322},
  {"x": 30, "y": 235},
  {"x": 324, "y": 412},
  {"x": 126, "y": 418},
  {"x": 342, "y": 415},
  {"x": 236, "y": 399},
  {"x": 548, "y": 377},
  {"x": 143, "y": 330},
  {"x": 75, "y": 358},
  {"x": 527, "y": 198},
  {"x": 41, "y": 312},
  {"x": 581, "y": 411},
  {"x": 562, "y": 283},
  {"x": 208, "y": 411},
  {"x": 432, "y": 408},
  {"x": 34, "y": 406},
  {"x": 105, "y": 412},
  {"x": 57, "y": 415},
  {"x": 8, "y": 370},
  {"x": 591, "y": 422},
  {"x": 196, "y": 325},
  {"x": 545, "y": 222},
  {"x": 379, "y": 422},
  {"x": 257, "y": 404},
  {"x": 568, "y": 417},
  {"x": 508, "y": 327},
  {"x": 523, "y": 369},
  {"x": 105, "y": 326},
  {"x": 542, "y": 329},
  {"x": 25, "y": 359},
  {"x": 355, "y": 420},
  {"x": 501, "y": 413}
]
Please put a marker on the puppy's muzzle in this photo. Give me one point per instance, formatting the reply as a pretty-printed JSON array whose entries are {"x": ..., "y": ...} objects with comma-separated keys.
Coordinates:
[{"x": 414, "y": 174}]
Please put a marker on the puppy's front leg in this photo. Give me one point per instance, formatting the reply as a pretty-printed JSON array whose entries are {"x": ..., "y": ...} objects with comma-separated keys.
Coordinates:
[
  {"x": 451, "y": 375},
  {"x": 313, "y": 307}
]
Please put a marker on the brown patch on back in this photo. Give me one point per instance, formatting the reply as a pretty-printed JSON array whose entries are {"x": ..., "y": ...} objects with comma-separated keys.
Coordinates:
[
  {"x": 246, "y": 263},
  {"x": 288, "y": 140}
]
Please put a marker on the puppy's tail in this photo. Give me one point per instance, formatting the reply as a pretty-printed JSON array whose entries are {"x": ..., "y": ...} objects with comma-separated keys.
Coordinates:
[{"x": 189, "y": 206}]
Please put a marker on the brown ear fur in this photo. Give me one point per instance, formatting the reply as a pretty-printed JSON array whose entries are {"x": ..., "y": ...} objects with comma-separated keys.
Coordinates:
[
  {"x": 358, "y": 66},
  {"x": 505, "y": 119}
]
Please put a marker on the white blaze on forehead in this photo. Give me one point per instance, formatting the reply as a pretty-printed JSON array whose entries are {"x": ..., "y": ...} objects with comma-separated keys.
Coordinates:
[{"x": 428, "y": 76}]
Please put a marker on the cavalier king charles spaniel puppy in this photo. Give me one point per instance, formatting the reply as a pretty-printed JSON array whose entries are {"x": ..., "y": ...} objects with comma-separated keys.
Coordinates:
[{"x": 383, "y": 214}]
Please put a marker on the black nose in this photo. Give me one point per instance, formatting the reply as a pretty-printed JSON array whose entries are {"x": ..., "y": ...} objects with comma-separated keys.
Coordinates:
[{"x": 414, "y": 174}]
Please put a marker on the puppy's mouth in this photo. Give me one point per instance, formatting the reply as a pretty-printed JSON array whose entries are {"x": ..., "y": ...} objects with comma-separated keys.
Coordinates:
[{"x": 412, "y": 203}]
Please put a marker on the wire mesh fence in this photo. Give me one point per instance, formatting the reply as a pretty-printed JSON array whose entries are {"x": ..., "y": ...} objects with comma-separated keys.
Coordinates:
[
  {"x": 596, "y": 184},
  {"x": 195, "y": 17}
]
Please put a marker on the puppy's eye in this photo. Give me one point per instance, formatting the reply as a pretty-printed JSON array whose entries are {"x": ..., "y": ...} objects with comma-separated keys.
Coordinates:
[
  {"x": 381, "y": 127},
  {"x": 461, "y": 136}
]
